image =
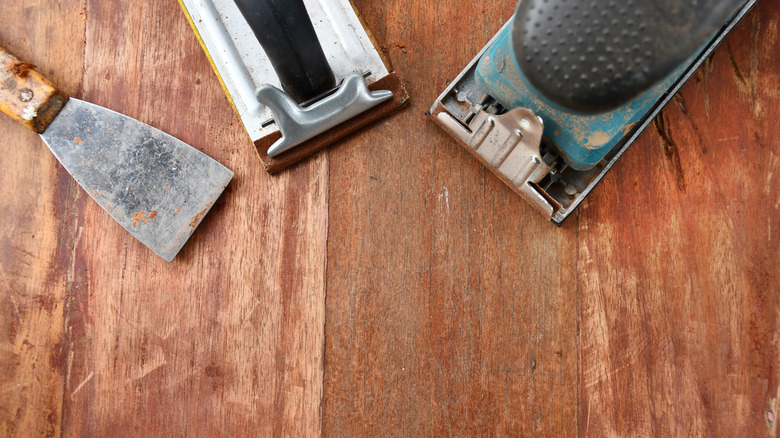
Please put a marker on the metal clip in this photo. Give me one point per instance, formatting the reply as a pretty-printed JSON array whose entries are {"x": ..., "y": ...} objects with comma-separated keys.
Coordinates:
[
  {"x": 509, "y": 143},
  {"x": 298, "y": 124}
]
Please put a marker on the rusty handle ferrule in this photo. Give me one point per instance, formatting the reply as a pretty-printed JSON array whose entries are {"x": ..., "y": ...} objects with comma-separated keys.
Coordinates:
[{"x": 25, "y": 95}]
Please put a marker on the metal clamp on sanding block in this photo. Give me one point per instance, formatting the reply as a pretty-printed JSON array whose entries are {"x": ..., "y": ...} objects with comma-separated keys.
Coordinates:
[
  {"x": 299, "y": 124},
  {"x": 590, "y": 76},
  {"x": 301, "y": 74}
]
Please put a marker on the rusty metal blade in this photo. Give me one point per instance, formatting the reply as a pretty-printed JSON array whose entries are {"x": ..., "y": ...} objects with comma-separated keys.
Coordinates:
[{"x": 156, "y": 186}]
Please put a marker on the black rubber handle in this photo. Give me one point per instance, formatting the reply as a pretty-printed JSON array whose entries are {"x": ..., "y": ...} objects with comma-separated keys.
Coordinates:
[
  {"x": 287, "y": 35},
  {"x": 594, "y": 55}
]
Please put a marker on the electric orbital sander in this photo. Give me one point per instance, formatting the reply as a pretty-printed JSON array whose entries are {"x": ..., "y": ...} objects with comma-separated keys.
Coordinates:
[{"x": 565, "y": 87}]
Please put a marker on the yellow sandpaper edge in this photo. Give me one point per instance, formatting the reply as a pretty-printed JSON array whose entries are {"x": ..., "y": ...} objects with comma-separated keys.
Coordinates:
[{"x": 213, "y": 66}]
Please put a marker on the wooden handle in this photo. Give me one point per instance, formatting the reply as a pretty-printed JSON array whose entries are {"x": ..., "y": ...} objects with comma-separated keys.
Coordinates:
[{"x": 26, "y": 95}]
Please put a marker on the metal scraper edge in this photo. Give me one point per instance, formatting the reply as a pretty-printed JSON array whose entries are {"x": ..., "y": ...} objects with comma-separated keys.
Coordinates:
[{"x": 242, "y": 66}]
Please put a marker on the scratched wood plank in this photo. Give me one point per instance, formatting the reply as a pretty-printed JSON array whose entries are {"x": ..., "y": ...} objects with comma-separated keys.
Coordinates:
[
  {"x": 451, "y": 305},
  {"x": 227, "y": 339},
  {"x": 680, "y": 259},
  {"x": 36, "y": 228}
]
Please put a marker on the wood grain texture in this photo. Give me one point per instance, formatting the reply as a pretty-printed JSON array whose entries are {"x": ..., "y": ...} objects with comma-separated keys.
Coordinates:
[
  {"x": 100, "y": 336},
  {"x": 227, "y": 339},
  {"x": 453, "y": 308},
  {"x": 680, "y": 259},
  {"x": 36, "y": 229},
  {"x": 451, "y": 305}
]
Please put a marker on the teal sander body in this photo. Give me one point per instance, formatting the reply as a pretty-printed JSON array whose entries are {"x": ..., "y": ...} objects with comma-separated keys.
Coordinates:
[
  {"x": 589, "y": 92},
  {"x": 583, "y": 139}
]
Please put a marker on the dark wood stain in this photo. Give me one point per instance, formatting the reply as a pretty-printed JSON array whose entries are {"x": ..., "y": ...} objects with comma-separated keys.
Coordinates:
[
  {"x": 671, "y": 152},
  {"x": 734, "y": 67}
]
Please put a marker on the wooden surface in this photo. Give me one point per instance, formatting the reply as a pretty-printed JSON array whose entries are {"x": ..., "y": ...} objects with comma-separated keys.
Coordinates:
[
  {"x": 443, "y": 317},
  {"x": 679, "y": 256},
  {"x": 452, "y": 307},
  {"x": 100, "y": 337}
]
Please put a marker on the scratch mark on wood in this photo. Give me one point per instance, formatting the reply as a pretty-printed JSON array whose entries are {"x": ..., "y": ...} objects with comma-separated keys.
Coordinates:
[
  {"x": 444, "y": 198},
  {"x": 81, "y": 385},
  {"x": 15, "y": 304},
  {"x": 69, "y": 368},
  {"x": 754, "y": 44},
  {"x": 146, "y": 370},
  {"x": 705, "y": 70},
  {"x": 587, "y": 421},
  {"x": 771, "y": 172}
]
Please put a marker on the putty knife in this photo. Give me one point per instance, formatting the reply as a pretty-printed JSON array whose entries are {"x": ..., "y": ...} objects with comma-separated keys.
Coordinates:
[{"x": 157, "y": 187}]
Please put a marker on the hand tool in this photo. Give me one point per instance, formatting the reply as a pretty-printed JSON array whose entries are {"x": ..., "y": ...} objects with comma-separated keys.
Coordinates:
[
  {"x": 157, "y": 187},
  {"x": 566, "y": 86},
  {"x": 301, "y": 74}
]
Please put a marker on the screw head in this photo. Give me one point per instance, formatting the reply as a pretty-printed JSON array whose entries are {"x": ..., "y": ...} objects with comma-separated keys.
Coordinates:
[{"x": 26, "y": 95}]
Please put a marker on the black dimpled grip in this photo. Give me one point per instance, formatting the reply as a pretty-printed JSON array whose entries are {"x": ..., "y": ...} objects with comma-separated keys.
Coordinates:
[{"x": 594, "y": 55}]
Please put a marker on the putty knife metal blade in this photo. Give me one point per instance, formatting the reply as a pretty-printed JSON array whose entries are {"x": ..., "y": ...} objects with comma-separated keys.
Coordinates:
[{"x": 157, "y": 187}]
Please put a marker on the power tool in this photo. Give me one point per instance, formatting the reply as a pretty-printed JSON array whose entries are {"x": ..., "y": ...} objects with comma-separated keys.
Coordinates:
[{"x": 566, "y": 86}]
